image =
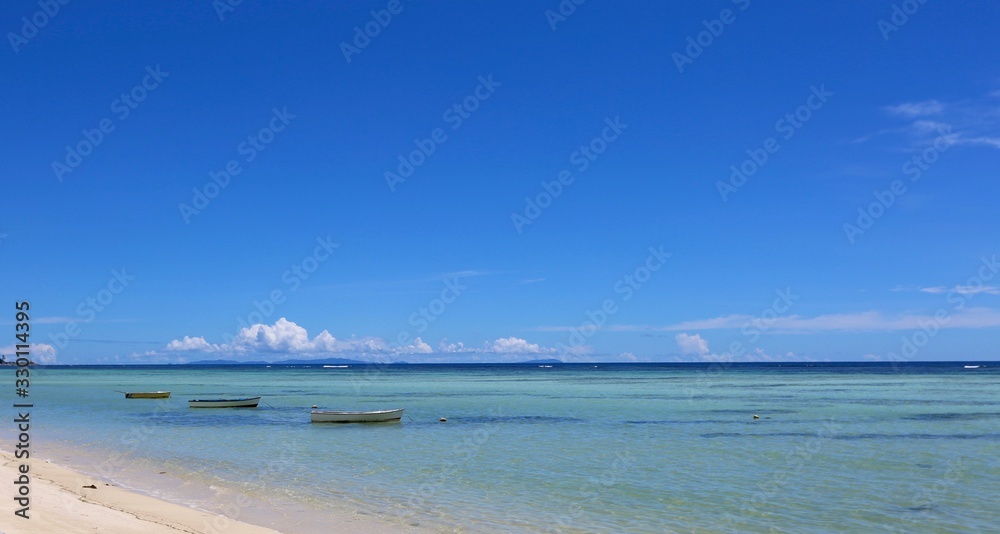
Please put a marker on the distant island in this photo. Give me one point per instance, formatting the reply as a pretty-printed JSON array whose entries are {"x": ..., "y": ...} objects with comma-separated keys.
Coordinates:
[
  {"x": 334, "y": 361},
  {"x": 3, "y": 361},
  {"x": 326, "y": 361}
]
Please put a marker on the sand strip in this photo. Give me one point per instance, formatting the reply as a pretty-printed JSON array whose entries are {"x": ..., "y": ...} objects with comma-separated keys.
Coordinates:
[{"x": 61, "y": 501}]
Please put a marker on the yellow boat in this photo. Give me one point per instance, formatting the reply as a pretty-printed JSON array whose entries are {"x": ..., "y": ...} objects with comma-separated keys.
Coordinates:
[{"x": 148, "y": 395}]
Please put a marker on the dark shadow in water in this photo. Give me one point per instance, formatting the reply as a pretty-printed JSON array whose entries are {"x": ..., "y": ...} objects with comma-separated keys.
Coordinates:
[
  {"x": 952, "y": 416},
  {"x": 924, "y": 508},
  {"x": 530, "y": 419},
  {"x": 702, "y": 422},
  {"x": 909, "y": 402},
  {"x": 850, "y": 437},
  {"x": 747, "y": 412},
  {"x": 223, "y": 417}
]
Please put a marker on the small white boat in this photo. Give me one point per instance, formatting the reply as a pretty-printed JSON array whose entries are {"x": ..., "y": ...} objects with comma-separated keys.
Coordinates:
[
  {"x": 378, "y": 416},
  {"x": 147, "y": 395},
  {"x": 250, "y": 402},
  {"x": 972, "y": 366}
]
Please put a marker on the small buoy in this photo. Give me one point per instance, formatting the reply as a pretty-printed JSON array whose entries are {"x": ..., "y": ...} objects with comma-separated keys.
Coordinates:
[
  {"x": 443, "y": 419},
  {"x": 755, "y": 416},
  {"x": 314, "y": 406}
]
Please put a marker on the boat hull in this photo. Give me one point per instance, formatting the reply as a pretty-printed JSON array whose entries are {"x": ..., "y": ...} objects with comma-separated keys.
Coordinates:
[
  {"x": 148, "y": 395},
  {"x": 379, "y": 416},
  {"x": 224, "y": 403}
]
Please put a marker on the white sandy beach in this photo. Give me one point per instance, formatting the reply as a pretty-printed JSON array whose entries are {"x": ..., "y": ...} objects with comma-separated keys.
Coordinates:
[{"x": 61, "y": 503}]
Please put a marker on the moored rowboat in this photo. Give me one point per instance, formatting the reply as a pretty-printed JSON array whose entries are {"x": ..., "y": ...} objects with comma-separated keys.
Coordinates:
[
  {"x": 377, "y": 416},
  {"x": 250, "y": 402},
  {"x": 148, "y": 395}
]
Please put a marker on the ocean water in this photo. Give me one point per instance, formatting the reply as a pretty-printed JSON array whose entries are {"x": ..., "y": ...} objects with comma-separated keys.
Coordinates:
[{"x": 636, "y": 448}]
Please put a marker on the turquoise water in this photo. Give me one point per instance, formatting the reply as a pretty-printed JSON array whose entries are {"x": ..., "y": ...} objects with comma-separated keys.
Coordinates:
[{"x": 569, "y": 448}]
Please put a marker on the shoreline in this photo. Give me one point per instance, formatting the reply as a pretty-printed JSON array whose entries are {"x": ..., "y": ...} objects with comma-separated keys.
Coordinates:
[{"x": 62, "y": 501}]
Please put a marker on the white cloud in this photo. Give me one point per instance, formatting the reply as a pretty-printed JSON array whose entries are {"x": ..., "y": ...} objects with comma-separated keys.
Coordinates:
[
  {"x": 715, "y": 323},
  {"x": 286, "y": 337},
  {"x": 695, "y": 345},
  {"x": 513, "y": 345},
  {"x": 416, "y": 347},
  {"x": 972, "y": 122},
  {"x": 691, "y": 344},
  {"x": 628, "y": 357},
  {"x": 193, "y": 344},
  {"x": 982, "y": 140},
  {"x": 504, "y": 345},
  {"x": 962, "y": 290},
  {"x": 39, "y": 353},
  {"x": 283, "y": 336},
  {"x": 443, "y": 346},
  {"x": 926, "y": 127},
  {"x": 916, "y": 109},
  {"x": 870, "y": 321}
]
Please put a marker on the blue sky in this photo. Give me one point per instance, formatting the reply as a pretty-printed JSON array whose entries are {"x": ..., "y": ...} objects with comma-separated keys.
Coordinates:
[{"x": 505, "y": 181}]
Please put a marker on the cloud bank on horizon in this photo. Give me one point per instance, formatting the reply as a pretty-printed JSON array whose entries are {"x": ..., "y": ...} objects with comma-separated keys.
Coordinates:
[{"x": 286, "y": 338}]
